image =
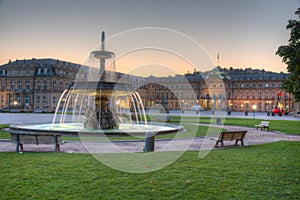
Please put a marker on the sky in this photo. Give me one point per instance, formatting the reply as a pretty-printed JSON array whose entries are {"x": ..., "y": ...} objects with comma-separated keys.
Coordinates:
[{"x": 156, "y": 37}]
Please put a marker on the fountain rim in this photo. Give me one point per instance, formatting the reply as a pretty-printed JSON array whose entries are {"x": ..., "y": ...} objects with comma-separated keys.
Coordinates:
[{"x": 19, "y": 129}]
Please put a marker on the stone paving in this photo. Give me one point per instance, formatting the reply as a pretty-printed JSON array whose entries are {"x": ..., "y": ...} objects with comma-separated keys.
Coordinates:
[{"x": 253, "y": 137}]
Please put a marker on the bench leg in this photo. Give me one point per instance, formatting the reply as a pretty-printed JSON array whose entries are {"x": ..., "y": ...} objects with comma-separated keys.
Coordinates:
[
  {"x": 19, "y": 146},
  {"x": 222, "y": 144},
  {"x": 242, "y": 142}
]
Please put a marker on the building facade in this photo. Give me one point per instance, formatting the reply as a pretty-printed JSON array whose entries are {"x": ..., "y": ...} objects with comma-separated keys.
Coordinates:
[{"x": 37, "y": 84}]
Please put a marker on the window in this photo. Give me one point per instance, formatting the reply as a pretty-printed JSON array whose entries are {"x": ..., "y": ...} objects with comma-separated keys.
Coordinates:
[
  {"x": 266, "y": 95},
  {"x": 44, "y": 99},
  {"x": 38, "y": 99},
  {"x": 54, "y": 100},
  {"x": 12, "y": 85},
  {"x": 267, "y": 85},
  {"x": 229, "y": 95},
  {"x": 247, "y": 95},
  {"x": 259, "y": 85},
  {"x": 241, "y": 85},
  {"x": 20, "y": 85},
  {"x": 27, "y": 85},
  {"x": 259, "y": 95},
  {"x": 45, "y": 85},
  {"x": 26, "y": 100},
  {"x": 2, "y": 86},
  {"x": 241, "y": 95},
  {"x": 38, "y": 85},
  {"x": 253, "y": 95},
  {"x": 61, "y": 86},
  {"x": 54, "y": 86},
  {"x": 253, "y": 85}
]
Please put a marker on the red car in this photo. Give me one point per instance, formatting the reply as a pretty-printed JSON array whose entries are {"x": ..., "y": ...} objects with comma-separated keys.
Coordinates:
[{"x": 277, "y": 111}]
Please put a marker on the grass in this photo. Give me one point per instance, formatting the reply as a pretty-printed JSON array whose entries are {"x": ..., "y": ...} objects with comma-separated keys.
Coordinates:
[
  {"x": 270, "y": 171},
  {"x": 4, "y": 134},
  {"x": 284, "y": 126}
]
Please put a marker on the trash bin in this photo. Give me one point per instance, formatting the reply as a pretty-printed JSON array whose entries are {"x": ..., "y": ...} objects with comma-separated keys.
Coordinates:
[
  {"x": 229, "y": 112},
  {"x": 246, "y": 112},
  {"x": 268, "y": 113},
  {"x": 218, "y": 121}
]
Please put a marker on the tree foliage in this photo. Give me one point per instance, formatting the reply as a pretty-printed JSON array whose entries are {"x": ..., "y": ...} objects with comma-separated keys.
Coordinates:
[{"x": 290, "y": 55}]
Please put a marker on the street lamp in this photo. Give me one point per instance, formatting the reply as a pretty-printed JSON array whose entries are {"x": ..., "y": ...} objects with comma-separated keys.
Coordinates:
[
  {"x": 253, "y": 108},
  {"x": 246, "y": 108}
]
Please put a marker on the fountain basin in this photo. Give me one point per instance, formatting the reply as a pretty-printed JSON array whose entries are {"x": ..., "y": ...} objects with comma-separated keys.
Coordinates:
[{"x": 74, "y": 129}]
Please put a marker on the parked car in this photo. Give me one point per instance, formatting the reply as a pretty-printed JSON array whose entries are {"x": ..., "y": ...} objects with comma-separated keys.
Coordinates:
[{"x": 277, "y": 111}]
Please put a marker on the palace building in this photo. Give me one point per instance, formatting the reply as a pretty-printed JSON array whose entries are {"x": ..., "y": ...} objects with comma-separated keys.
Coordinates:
[{"x": 37, "y": 84}]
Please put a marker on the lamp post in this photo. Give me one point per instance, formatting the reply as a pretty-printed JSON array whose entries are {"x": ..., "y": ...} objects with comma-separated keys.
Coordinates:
[
  {"x": 268, "y": 107},
  {"x": 253, "y": 108},
  {"x": 246, "y": 108}
]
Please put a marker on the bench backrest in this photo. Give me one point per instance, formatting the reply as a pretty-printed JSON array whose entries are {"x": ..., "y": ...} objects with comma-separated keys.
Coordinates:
[
  {"x": 265, "y": 123},
  {"x": 232, "y": 135},
  {"x": 35, "y": 139}
]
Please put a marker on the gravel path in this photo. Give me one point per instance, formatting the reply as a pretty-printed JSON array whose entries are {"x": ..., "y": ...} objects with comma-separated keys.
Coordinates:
[{"x": 253, "y": 137}]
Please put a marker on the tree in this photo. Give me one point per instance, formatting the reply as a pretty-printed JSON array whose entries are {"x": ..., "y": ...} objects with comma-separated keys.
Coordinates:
[{"x": 290, "y": 55}]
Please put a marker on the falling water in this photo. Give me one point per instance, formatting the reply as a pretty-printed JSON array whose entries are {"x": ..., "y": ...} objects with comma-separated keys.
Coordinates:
[{"x": 58, "y": 104}]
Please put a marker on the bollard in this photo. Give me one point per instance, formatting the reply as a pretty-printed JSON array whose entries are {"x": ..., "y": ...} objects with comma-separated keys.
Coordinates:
[
  {"x": 218, "y": 121},
  {"x": 149, "y": 141}
]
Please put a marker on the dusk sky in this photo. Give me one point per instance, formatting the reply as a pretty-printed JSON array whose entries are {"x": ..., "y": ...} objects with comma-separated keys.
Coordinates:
[{"x": 245, "y": 33}]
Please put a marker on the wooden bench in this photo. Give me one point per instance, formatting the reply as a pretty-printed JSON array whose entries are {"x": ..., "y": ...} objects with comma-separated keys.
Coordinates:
[
  {"x": 263, "y": 125},
  {"x": 231, "y": 135},
  {"x": 36, "y": 138}
]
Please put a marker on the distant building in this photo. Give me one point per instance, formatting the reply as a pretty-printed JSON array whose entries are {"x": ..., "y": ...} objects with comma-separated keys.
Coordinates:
[
  {"x": 235, "y": 89},
  {"x": 37, "y": 84}
]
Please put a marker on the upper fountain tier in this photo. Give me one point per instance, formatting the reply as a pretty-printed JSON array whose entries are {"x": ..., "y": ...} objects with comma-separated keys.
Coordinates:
[{"x": 102, "y": 54}]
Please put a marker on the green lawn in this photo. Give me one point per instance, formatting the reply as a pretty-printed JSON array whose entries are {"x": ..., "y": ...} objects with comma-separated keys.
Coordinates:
[
  {"x": 284, "y": 126},
  {"x": 270, "y": 171},
  {"x": 4, "y": 134}
]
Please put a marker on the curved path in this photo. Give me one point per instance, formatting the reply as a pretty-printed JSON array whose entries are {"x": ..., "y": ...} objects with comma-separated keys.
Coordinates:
[{"x": 253, "y": 137}]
